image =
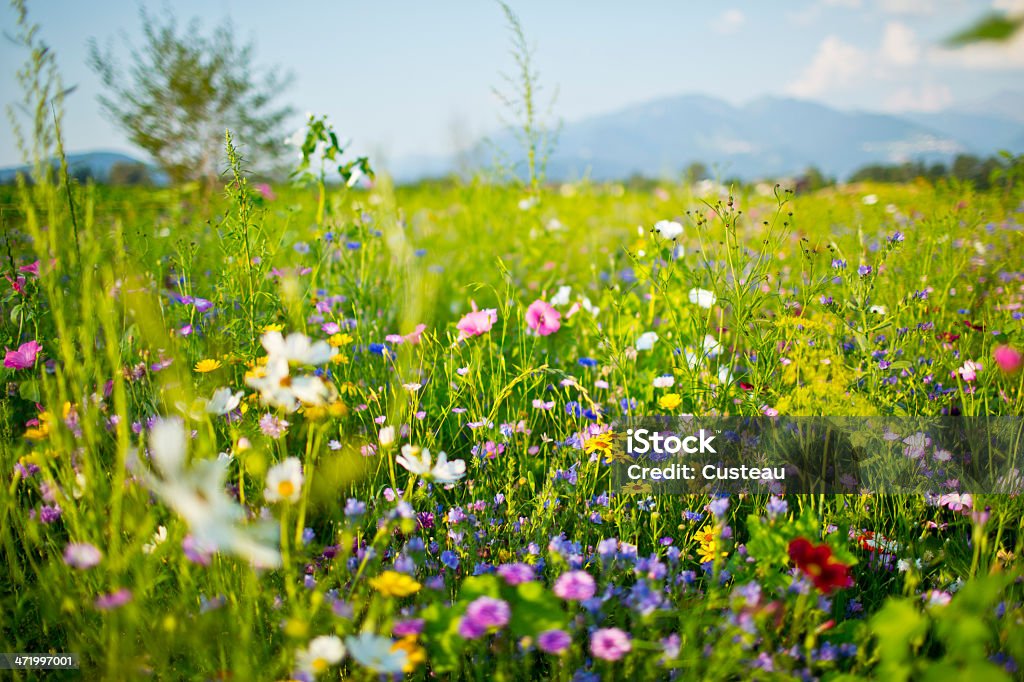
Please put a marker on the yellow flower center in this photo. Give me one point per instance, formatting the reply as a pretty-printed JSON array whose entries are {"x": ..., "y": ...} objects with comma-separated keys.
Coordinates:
[
  {"x": 285, "y": 489},
  {"x": 319, "y": 665}
]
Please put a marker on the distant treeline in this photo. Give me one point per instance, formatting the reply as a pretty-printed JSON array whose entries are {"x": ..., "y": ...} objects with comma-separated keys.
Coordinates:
[{"x": 980, "y": 172}]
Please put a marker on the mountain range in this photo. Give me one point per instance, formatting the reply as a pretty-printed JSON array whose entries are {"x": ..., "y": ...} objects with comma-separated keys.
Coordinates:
[{"x": 768, "y": 137}]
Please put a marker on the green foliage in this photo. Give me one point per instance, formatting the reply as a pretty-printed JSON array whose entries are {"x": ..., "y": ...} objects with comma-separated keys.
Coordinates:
[{"x": 183, "y": 89}]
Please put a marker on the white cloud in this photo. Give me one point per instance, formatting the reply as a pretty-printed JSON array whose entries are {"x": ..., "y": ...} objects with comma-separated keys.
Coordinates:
[
  {"x": 928, "y": 97},
  {"x": 835, "y": 64},
  {"x": 899, "y": 45},
  {"x": 1009, "y": 6},
  {"x": 914, "y": 7},
  {"x": 730, "y": 21}
]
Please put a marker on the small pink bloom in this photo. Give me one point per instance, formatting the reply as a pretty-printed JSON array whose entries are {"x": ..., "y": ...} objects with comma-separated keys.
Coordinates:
[
  {"x": 476, "y": 323},
  {"x": 24, "y": 357},
  {"x": 1009, "y": 359},
  {"x": 17, "y": 284},
  {"x": 266, "y": 191},
  {"x": 542, "y": 318},
  {"x": 31, "y": 268},
  {"x": 413, "y": 337},
  {"x": 969, "y": 372},
  {"x": 610, "y": 644}
]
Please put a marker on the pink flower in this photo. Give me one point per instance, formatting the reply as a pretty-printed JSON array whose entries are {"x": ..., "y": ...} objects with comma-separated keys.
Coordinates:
[
  {"x": 17, "y": 284},
  {"x": 266, "y": 191},
  {"x": 610, "y": 644},
  {"x": 24, "y": 357},
  {"x": 31, "y": 268},
  {"x": 969, "y": 372},
  {"x": 413, "y": 337},
  {"x": 542, "y": 318},
  {"x": 476, "y": 323},
  {"x": 575, "y": 586},
  {"x": 1009, "y": 359}
]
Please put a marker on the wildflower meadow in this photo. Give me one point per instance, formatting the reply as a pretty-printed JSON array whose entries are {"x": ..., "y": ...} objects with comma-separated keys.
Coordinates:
[{"x": 363, "y": 431}]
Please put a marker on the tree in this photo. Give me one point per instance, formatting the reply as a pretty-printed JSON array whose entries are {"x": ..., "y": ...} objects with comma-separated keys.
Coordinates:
[
  {"x": 129, "y": 174},
  {"x": 184, "y": 89}
]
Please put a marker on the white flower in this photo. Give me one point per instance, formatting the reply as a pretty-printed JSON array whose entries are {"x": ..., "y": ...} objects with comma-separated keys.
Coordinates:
[
  {"x": 447, "y": 472},
  {"x": 646, "y": 341},
  {"x": 284, "y": 481},
  {"x": 197, "y": 494},
  {"x": 417, "y": 461},
  {"x": 297, "y": 349},
  {"x": 376, "y": 653},
  {"x": 878, "y": 309},
  {"x": 279, "y": 388},
  {"x": 413, "y": 387},
  {"x": 869, "y": 199},
  {"x": 702, "y": 297},
  {"x": 223, "y": 401},
  {"x": 664, "y": 381},
  {"x": 711, "y": 346},
  {"x": 322, "y": 653},
  {"x": 903, "y": 565},
  {"x": 159, "y": 538},
  {"x": 669, "y": 229},
  {"x": 725, "y": 374},
  {"x": 387, "y": 436},
  {"x": 562, "y": 297}
]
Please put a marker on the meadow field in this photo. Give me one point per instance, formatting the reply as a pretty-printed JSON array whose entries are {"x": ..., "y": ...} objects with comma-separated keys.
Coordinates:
[{"x": 241, "y": 441}]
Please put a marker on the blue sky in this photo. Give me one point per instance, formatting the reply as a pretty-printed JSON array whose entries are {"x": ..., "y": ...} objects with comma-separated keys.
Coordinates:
[{"x": 403, "y": 78}]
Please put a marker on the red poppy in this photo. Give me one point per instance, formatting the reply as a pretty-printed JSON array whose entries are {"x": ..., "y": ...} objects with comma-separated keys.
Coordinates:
[
  {"x": 975, "y": 327},
  {"x": 817, "y": 563}
]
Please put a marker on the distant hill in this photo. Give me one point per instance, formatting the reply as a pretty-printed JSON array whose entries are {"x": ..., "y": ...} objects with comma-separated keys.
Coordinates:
[
  {"x": 768, "y": 137},
  {"x": 92, "y": 164}
]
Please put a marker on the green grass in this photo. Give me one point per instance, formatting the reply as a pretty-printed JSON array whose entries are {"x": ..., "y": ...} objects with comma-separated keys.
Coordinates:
[{"x": 105, "y": 309}]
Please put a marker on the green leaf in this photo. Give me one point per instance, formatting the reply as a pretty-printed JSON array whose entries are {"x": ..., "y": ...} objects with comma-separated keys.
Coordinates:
[
  {"x": 992, "y": 27},
  {"x": 534, "y": 610}
]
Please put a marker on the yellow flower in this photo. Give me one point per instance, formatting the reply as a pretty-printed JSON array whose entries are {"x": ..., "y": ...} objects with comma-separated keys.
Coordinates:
[
  {"x": 207, "y": 365},
  {"x": 340, "y": 339},
  {"x": 339, "y": 359},
  {"x": 600, "y": 443},
  {"x": 337, "y": 409},
  {"x": 670, "y": 401},
  {"x": 394, "y": 584},
  {"x": 707, "y": 552},
  {"x": 273, "y": 328},
  {"x": 414, "y": 653}
]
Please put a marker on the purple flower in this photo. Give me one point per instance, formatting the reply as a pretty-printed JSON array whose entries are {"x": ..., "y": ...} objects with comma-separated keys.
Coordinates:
[
  {"x": 610, "y": 644},
  {"x": 864, "y": 270},
  {"x": 776, "y": 506},
  {"x": 554, "y": 641},
  {"x": 719, "y": 506},
  {"x": 82, "y": 555},
  {"x": 515, "y": 574},
  {"x": 483, "y": 614},
  {"x": 575, "y": 586},
  {"x": 405, "y": 628},
  {"x": 106, "y": 602}
]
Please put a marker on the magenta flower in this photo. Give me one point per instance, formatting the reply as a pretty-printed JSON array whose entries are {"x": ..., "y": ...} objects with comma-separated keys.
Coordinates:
[
  {"x": 106, "y": 602},
  {"x": 31, "y": 268},
  {"x": 553, "y": 641},
  {"x": 81, "y": 555},
  {"x": 1008, "y": 359},
  {"x": 516, "y": 574},
  {"x": 482, "y": 615},
  {"x": 575, "y": 586},
  {"x": 476, "y": 323},
  {"x": 24, "y": 357},
  {"x": 542, "y": 318},
  {"x": 610, "y": 644}
]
